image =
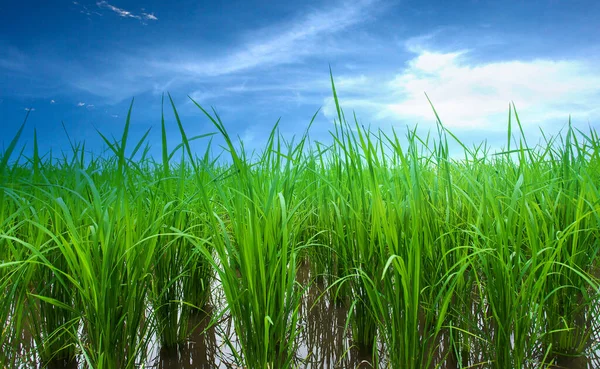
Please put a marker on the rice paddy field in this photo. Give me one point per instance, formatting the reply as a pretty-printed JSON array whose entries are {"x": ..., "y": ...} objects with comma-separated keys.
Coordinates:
[{"x": 377, "y": 249}]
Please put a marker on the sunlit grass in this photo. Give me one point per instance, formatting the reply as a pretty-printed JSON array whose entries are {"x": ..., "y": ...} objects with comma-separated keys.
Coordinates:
[{"x": 484, "y": 260}]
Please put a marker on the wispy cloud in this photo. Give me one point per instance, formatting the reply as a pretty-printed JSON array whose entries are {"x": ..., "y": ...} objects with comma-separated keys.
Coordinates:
[
  {"x": 283, "y": 43},
  {"x": 29, "y": 109},
  {"x": 126, "y": 13},
  {"x": 313, "y": 34},
  {"x": 149, "y": 16},
  {"x": 121, "y": 12},
  {"x": 87, "y": 106},
  {"x": 83, "y": 9}
]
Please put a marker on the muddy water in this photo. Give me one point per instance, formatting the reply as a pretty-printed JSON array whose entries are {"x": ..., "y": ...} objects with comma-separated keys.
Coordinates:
[
  {"x": 322, "y": 342},
  {"x": 200, "y": 351}
]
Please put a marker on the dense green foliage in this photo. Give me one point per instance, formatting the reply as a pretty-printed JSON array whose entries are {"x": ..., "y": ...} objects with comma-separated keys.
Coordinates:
[{"x": 483, "y": 260}]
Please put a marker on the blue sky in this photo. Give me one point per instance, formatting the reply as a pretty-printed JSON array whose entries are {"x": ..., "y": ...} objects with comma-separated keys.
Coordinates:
[{"x": 81, "y": 62}]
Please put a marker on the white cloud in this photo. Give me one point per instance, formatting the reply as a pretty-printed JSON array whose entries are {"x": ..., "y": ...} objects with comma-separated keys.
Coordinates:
[
  {"x": 90, "y": 107},
  {"x": 150, "y": 16},
  {"x": 473, "y": 96},
  {"x": 126, "y": 13},
  {"x": 52, "y": 102},
  {"x": 121, "y": 12},
  {"x": 29, "y": 109},
  {"x": 81, "y": 104}
]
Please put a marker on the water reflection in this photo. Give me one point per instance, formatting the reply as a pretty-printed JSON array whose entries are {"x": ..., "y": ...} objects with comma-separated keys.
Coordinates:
[
  {"x": 323, "y": 340},
  {"x": 199, "y": 351}
]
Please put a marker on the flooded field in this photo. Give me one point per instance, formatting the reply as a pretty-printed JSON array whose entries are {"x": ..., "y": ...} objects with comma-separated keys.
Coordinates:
[
  {"x": 371, "y": 251},
  {"x": 324, "y": 341}
]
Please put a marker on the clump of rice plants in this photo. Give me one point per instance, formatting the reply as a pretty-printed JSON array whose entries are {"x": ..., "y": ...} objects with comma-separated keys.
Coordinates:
[
  {"x": 257, "y": 249},
  {"x": 181, "y": 275}
]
